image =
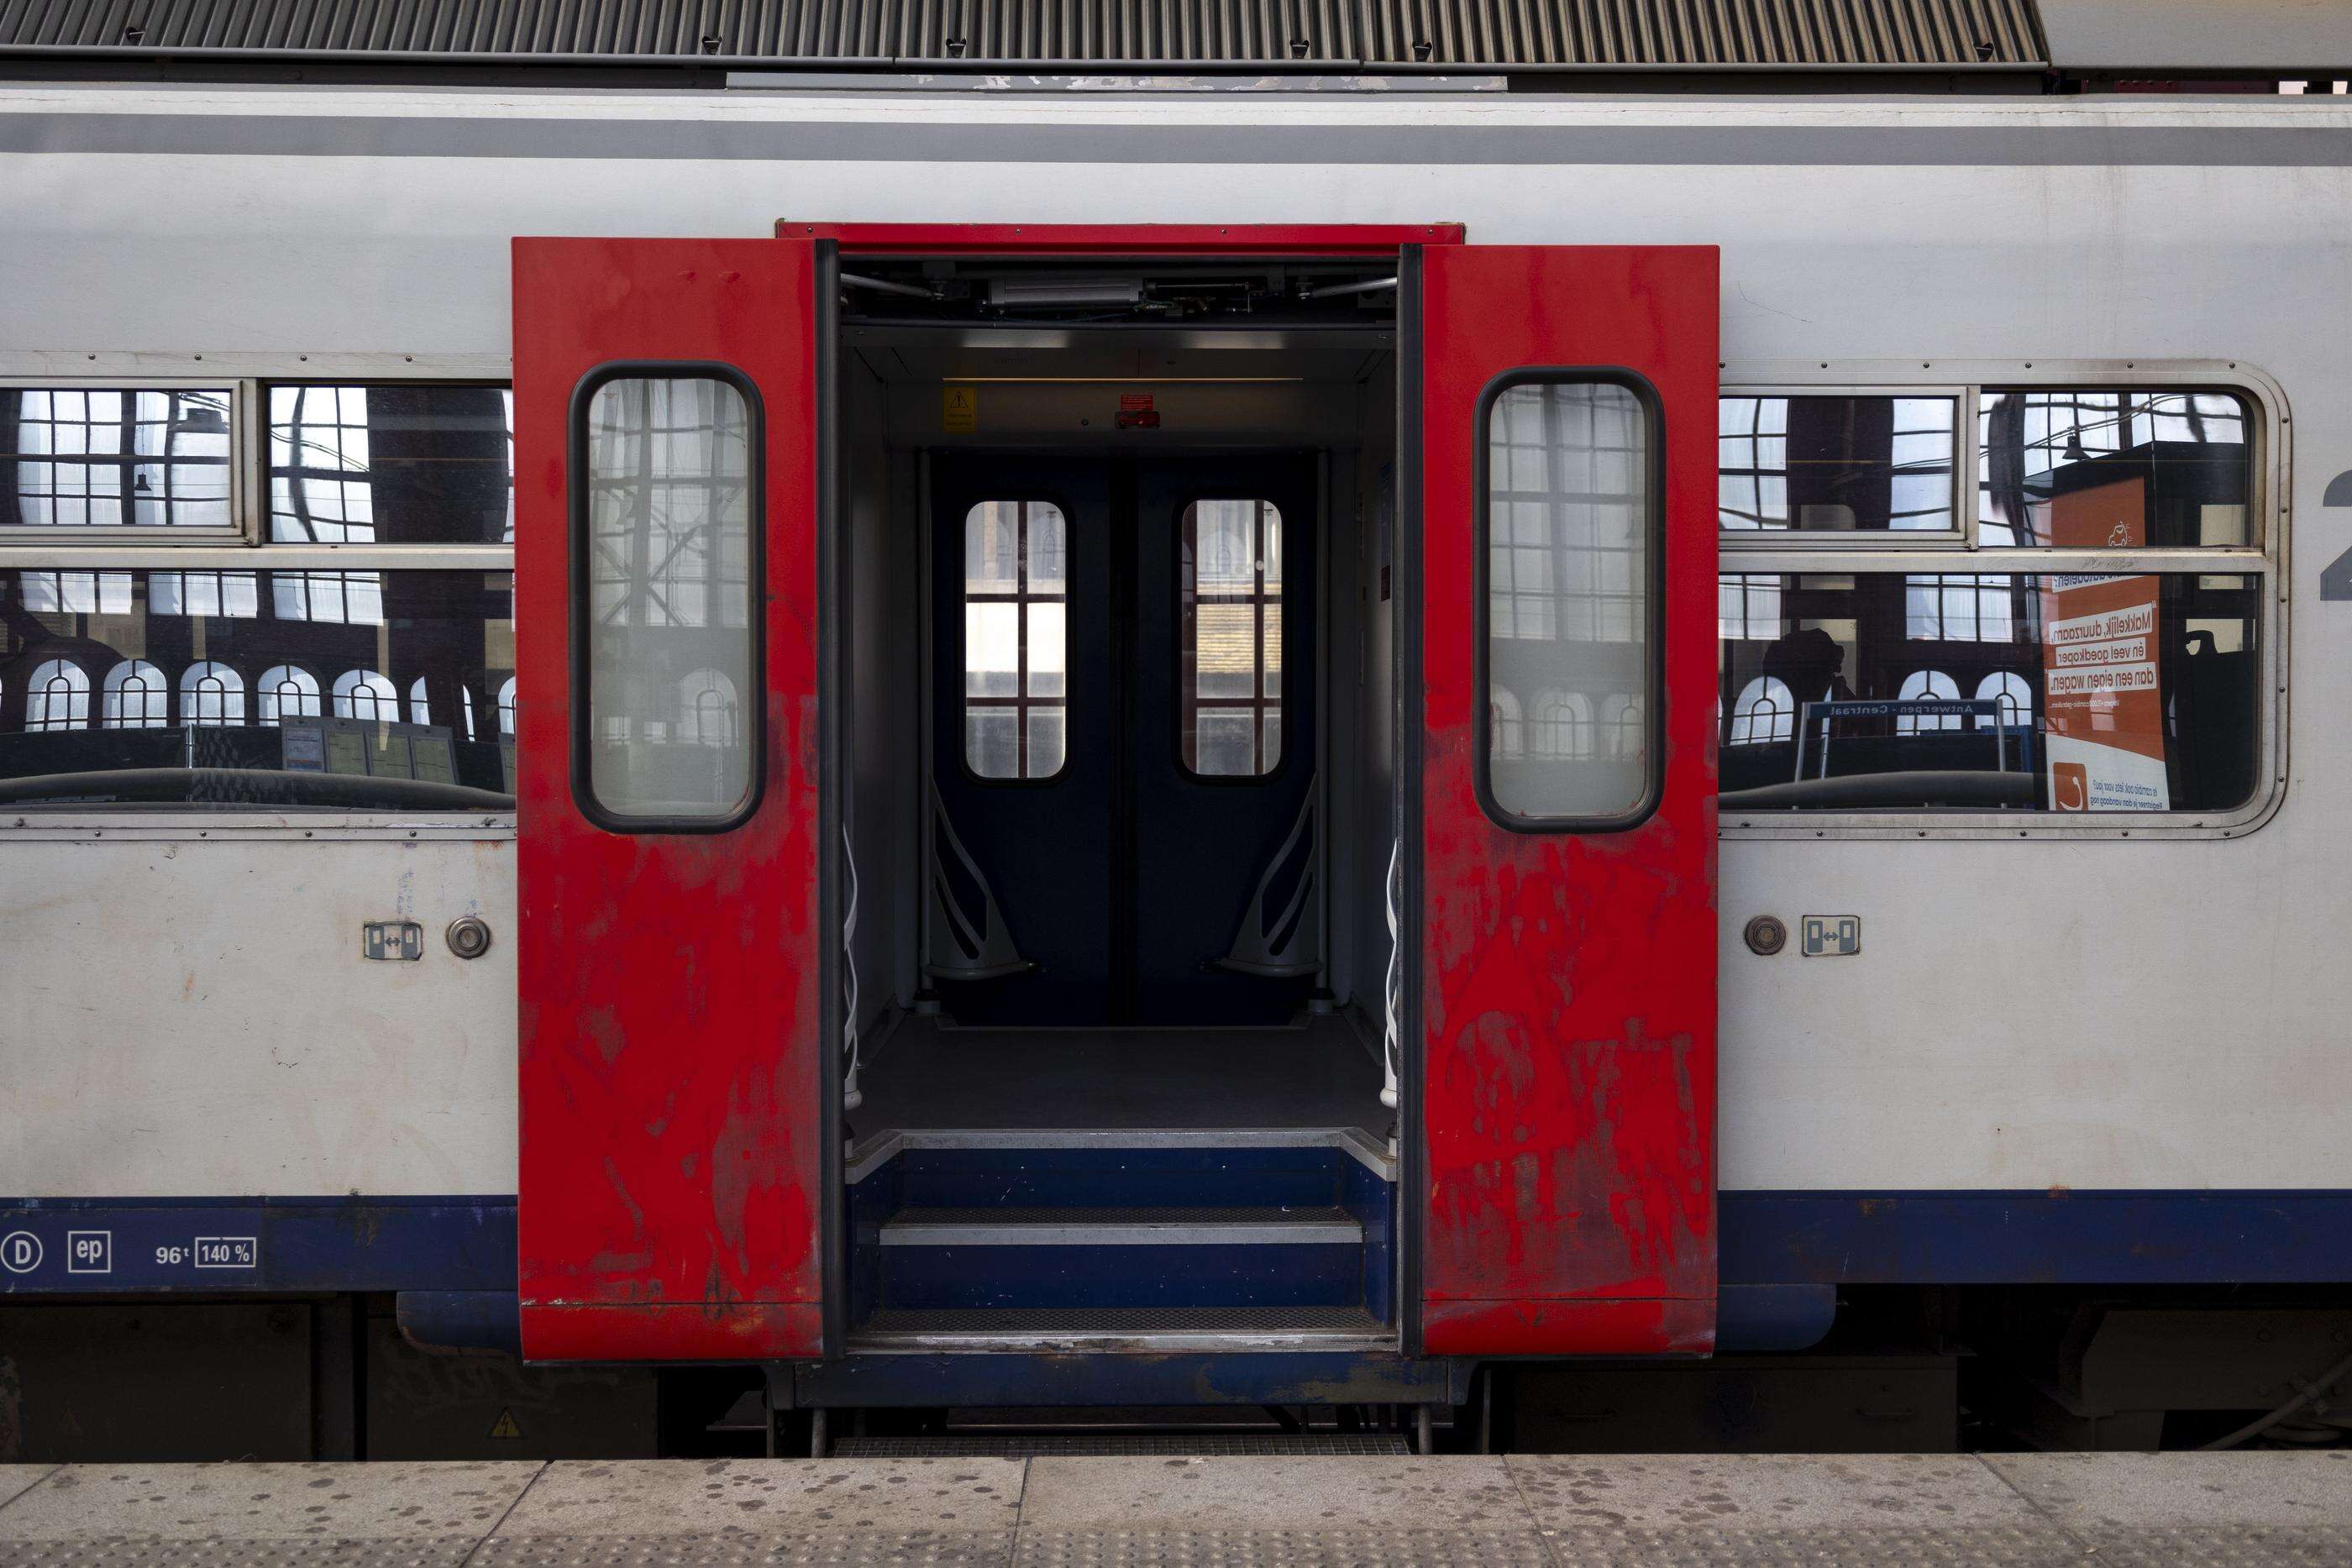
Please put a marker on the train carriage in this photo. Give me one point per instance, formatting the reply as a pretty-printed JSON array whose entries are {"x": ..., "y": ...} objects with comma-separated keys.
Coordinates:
[{"x": 1273, "y": 733}]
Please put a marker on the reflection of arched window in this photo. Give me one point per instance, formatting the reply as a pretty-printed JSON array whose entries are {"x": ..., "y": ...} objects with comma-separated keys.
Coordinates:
[
  {"x": 57, "y": 697},
  {"x": 466, "y": 706},
  {"x": 1620, "y": 726},
  {"x": 366, "y": 695},
  {"x": 136, "y": 697},
  {"x": 211, "y": 693},
  {"x": 420, "y": 711},
  {"x": 706, "y": 703},
  {"x": 1764, "y": 711},
  {"x": 1506, "y": 737},
  {"x": 506, "y": 708},
  {"x": 1926, "y": 683},
  {"x": 287, "y": 691},
  {"x": 1563, "y": 725},
  {"x": 2016, "y": 698}
]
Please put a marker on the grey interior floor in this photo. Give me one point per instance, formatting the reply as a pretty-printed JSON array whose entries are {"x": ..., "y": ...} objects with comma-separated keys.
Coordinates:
[{"x": 928, "y": 1077}]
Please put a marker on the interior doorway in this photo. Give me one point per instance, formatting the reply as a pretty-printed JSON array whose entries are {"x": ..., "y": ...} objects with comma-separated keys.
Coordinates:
[{"x": 1125, "y": 742}]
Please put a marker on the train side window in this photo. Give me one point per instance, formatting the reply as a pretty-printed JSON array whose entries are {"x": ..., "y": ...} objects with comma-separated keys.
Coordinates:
[
  {"x": 150, "y": 462},
  {"x": 145, "y": 688},
  {"x": 1016, "y": 635},
  {"x": 1837, "y": 463},
  {"x": 1952, "y": 670},
  {"x": 2114, "y": 468},
  {"x": 1569, "y": 533},
  {"x": 1984, "y": 691},
  {"x": 390, "y": 464},
  {"x": 1229, "y": 639},
  {"x": 665, "y": 488}
]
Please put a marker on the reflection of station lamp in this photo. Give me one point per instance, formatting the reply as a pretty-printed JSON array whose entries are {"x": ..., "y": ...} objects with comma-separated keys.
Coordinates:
[{"x": 201, "y": 419}]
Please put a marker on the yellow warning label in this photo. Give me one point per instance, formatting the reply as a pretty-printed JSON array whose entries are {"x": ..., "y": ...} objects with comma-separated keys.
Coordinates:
[
  {"x": 959, "y": 410},
  {"x": 505, "y": 1426}
]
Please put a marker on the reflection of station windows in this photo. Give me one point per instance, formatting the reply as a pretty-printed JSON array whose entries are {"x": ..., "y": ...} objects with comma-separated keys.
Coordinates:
[
  {"x": 56, "y": 697},
  {"x": 365, "y": 695},
  {"x": 1563, "y": 726},
  {"x": 211, "y": 693},
  {"x": 117, "y": 457},
  {"x": 287, "y": 692},
  {"x": 1506, "y": 740},
  {"x": 135, "y": 695},
  {"x": 227, "y": 595},
  {"x": 2015, "y": 697},
  {"x": 507, "y": 709},
  {"x": 707, "y": 709},
  {"x": 1926, "y": 684},
  {"x": 374, "y": 748},
  {"x": 1765, "y": 711}
]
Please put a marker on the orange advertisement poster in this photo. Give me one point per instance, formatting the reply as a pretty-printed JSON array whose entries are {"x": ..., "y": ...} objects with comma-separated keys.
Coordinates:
[{"x": 2102, "y": 690}]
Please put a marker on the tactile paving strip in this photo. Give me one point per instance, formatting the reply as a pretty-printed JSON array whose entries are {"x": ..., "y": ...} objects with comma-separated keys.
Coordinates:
[
  {"x": 125, "y": 1552},
  {"x": 1842, "y": 1546},
  {"x": 1281, "y": 1548},
  {"x": 914, "y": 1548},
  {"x": 2252, "y": 1546},
  {"x": 1058, "y": 1445}
]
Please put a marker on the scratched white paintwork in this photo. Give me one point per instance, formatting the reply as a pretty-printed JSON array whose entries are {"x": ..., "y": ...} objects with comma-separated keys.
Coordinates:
[
  {"x": 191, "y": 1019},
  {"x": 2100, "y": 1014}
]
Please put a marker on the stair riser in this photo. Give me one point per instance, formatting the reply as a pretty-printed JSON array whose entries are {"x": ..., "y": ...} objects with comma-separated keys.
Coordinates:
[{"x": 1281, "y": 1274}]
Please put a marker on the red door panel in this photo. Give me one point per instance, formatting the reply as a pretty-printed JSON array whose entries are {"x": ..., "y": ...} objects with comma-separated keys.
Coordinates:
[
  {"x": 1568, "y": 988},
  {"x": 670, "y": 1175}
]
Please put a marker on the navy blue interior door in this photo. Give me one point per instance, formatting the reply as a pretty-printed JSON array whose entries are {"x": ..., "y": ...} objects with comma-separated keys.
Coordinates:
[
  {"x": 1023, "y": 569},
  {"x": 1225, "y": 909},
  {"x": 1124, "y": 735}
]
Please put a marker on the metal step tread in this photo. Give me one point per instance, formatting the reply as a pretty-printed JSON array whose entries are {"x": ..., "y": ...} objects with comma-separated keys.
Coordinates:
[
  {"x": 1118, "y": 1328},
  {"x": 1051, "y": 1445},
  {"x": 1138, "y": 1226}
]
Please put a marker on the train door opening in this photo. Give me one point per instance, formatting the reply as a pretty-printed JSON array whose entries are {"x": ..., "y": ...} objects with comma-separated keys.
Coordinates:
[{"x": 1120, "y": 723}]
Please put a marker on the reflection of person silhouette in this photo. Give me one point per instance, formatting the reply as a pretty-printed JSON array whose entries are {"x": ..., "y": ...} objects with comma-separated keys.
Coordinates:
[{"x": 1810, "y": 664}]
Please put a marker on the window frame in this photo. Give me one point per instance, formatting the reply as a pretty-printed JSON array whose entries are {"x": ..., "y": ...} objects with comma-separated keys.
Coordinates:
[
  {"x": 2265, "y": 558},
  {"x": 1963, "y": 483},
  {"x": 580, "y": 740},
  {"x": 245, "y": 398},
  {"x": 1654, "y": 697},
  {"x": 1021, "y": 703},
  {"x": 38, "y": 548},
  {"x": 1281, "y": 704}
]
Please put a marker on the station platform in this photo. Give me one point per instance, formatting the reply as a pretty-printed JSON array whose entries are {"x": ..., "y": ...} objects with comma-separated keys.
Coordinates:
[{"x": 1224, "y": 1511}]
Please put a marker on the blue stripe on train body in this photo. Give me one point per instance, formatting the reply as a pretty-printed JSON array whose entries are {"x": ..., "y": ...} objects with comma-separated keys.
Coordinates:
[{"x": 307, "y": 1245}]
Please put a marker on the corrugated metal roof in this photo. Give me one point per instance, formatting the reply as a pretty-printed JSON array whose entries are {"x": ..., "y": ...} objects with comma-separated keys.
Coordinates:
[{"x": 1377, "y": 35}]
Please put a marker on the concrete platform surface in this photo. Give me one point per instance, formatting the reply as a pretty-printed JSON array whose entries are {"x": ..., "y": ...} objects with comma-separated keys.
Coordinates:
[{"x": 2254, "y": 1510}]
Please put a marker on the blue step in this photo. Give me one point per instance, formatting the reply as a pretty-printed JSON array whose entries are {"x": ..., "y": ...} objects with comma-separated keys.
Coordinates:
[
  {"x": 994, "y": 1256},
  {"x": 1100, "y": 1177}
]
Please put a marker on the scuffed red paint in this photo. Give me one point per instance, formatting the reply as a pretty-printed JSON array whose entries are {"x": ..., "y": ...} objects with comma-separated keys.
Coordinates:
[
  {"x": 670, "y": 1004},
  {"x": 696, "y": 1332},
  {"x": 1660, "y": 1325},
  {"x": 1125, "y": 239},
  {"x": 1567, "y": 983}
]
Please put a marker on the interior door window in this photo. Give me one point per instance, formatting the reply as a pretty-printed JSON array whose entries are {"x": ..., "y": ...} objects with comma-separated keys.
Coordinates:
[
  {"x": 1016, "y": 636},
  {"x": 1229, "y": 639}
]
